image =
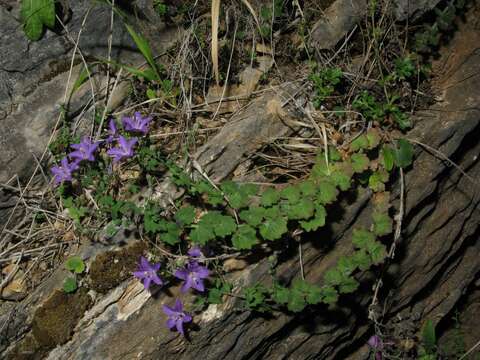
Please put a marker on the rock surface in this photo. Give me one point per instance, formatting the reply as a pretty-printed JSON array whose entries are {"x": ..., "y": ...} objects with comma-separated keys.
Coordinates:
[
  {"x": 29, "y": 70},
  {"x": 436, "y": 260}
]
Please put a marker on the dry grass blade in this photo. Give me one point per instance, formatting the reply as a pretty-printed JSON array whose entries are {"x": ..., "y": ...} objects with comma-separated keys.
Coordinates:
[
  {"x": 250, "y": 8},
  {"x": 215, "y": 23}
]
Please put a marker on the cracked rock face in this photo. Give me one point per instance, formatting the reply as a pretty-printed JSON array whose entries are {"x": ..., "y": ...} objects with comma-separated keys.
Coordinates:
[{"x": 33, "y": 78}]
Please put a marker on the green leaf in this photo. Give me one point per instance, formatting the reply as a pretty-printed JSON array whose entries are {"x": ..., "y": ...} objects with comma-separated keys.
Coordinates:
[
  {"x": 382, "y": 223},
  {"x": 301, "y": 210},
  {"x": 253, "y": 216},
  {"x": 314, "y": 295},
  {"x": 202, "y": 234},
  {"x": 317, "y": 222},
  {"x": 429, "y": 337},
  {"x": 291, "y": 194},
  {"x": 297, "y": 302},
  {"x": 185, "y": 215},
  {"x": 334, "y": 154},
  {"x": 359, "y": 143},
  {"x": 387, "y": 158},
  {"x": 69, "y": 285},
  {"x": 244, "y": 238},
  {"x": 255, "y": 297},
  {"x": 373, "y": 138},
  {"x": 404, "y": 154},
  {"x": 327, "y": 192},
  {"x": 360, "y": 162},
  {"x": 362, "y": 238},
  {"x": 333, "y": 277},
  {"x": 273, "y": 229},
  {"x": 346, "y": 265},
  {"x": 270, "y": 197},
  {"x": 46, "y": 12},
  {"x": 320, "y": 169},
  {"x": 377, "y": 252},
  {"x": 35, "y": 14},
  {"x": 226, "y": 226},
  {"x": 362, "y": 260},
  {"x": 81, "y": 79},
  {"x": 377, "y": 180},
  {"x": 215, "y": 296},
  {"x": 172, "y": 234},
  {"x": 348, "y": 285},
  {"x": 75, "y": 264},
  {"x": 144, "y": 47},
  {"x": 329, "y": 295},
  {"x": 340, "y": 179},
  {"x": 308, "y": 188},
  {"x": 280, "y": 294}
]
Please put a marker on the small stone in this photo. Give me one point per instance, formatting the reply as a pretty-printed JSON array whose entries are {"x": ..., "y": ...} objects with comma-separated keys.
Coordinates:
[
  {"x": 16, "y": 288},
  {"x": 234, "y": 265}
]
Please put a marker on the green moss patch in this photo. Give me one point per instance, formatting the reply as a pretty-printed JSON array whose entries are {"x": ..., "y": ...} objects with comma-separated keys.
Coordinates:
[
  {"x": 111, "y": 268},
  {"x": 54, "y": 321}
]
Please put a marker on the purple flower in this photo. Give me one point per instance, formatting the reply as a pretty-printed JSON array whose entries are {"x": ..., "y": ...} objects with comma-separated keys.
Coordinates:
[
  {"x": 123, "y": 150},
  {"x": 195, "y": 252},
  {"x": 64, "y": 171},
  {"x": 176, "y": 316},
  {"x": 193, "y": 275},
  {"x": 84, "y": 150},
  {"x": 136, "y": 123},
  {"x": 147, "y": 273},
  {"x": 377, "y": 345},
  {"x": 112, "y": 130}
]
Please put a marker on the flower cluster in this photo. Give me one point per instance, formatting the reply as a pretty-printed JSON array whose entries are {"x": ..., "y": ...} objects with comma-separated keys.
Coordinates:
[
  {"x": 193, "y": 275},
  {"x": 85, "y": 150}
]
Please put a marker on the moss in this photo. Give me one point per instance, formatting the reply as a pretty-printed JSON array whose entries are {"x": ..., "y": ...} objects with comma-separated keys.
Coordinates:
[
  {"x": 54, "y": 321},
  {"x": 111, "y": 268},
  {"x": 26, "y": 349}
]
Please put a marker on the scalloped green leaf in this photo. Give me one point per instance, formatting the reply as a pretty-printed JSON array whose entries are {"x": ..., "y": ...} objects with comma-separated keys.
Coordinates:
[
  {"x": 382, "y": 224},
  {"x": 245, "y": 237},
  {"x": 70, "y": 285},
  {"x": 327, "y": 192},
  {"x": 387, "y": 158},
  {"x": 317, "y": 222},
  {"x": 270, "y": 197},
  {"x": 362, "y": 259},
  {"x": 360, "y": 162},
  {"x": 291, "y": 194},
  {"x": 304, "y": 209},
  {"x": 360, "y": 143},
  {"x": 329, "y": 295},
  {"x": 274, "y": 228},
  {"x": 373, "y": 138},
  {"x": 185, "y": 215},
  {"x": 404, "y": 154},
  {"x": 349, "y": 285},
  {"x": 333, "y": 277},
  {"x": 202, "y": 234},
  {"x": 377, "y": 252},
  {"x": 377, "y": 180},
  {"x": 225, "y": 226},
  {"x": 362, "y": 238},
  {"x": 75, "y": 264},
  {"x": 308, "y": 188},
  {"x": 253, "y": 216}
]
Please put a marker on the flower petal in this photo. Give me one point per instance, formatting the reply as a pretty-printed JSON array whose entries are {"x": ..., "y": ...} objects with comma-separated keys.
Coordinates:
[
  {"x": 179, "y": 326},
  {"x": 171, "y": 323},
  {"x": 178, "y": 306}
]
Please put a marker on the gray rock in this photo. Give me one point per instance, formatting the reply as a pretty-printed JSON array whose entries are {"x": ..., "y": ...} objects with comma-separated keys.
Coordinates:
[
  {"x": 337, "y": 21},
  {"x": 33, "y": 77},
  {"x": 412, "y": 9}
]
